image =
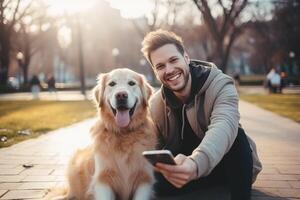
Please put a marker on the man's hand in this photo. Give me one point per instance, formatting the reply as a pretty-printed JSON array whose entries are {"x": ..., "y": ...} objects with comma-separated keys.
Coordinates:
[{"x": 180, "y": 174}]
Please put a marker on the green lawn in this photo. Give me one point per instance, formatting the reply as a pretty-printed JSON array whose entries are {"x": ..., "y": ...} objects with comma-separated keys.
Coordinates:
[
  {"x": 38, "y": 117},
  {"x": 287, "y": 105}
]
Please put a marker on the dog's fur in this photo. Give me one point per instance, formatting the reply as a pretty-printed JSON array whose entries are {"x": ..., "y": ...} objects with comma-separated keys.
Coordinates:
[{"x": 113, "y": 166}]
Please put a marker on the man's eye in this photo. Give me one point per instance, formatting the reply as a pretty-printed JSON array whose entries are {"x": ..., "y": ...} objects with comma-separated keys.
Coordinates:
[
  {"x": 159, "y": 67},
  {"x": 131, "y": 83},
  {"x": 174, "y": 59},
  {"x": 111, "y": 84}
]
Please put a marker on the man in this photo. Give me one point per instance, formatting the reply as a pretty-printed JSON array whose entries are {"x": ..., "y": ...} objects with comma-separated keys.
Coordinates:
[{"x": 197, "y": 118}]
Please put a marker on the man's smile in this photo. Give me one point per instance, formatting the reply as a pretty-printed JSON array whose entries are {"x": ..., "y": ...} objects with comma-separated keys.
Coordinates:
[{"x": 174, "y": 76}]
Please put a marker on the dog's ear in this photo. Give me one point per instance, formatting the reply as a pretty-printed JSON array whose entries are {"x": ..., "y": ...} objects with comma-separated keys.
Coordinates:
[
  {"x": 99, "y": 89},
  {"x": 146, "y": 88}
]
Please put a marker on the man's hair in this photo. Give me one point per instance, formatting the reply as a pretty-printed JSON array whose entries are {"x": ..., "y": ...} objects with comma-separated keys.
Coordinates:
[{"x": 159, "y": 38}]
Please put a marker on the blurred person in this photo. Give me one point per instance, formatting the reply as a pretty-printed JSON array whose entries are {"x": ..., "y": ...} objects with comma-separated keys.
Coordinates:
[
  {"x": 283, "y": 81},
  {"x": 273, "y": 81},
  {"x": 35, "y": 86},
  {"x": 51, "y": 83},
  {"x": 197, "y": 119}
]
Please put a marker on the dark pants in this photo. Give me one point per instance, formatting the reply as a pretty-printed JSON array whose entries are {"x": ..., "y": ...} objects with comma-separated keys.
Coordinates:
[{"x": 234, "y": 172}]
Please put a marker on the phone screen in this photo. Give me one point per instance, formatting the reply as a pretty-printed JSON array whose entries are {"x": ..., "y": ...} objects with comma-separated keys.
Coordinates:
[{"x": 160, "y": 157}]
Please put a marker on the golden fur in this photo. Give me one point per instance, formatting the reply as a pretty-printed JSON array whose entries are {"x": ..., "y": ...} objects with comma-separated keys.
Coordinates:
[{"x": 122, "y": 166}]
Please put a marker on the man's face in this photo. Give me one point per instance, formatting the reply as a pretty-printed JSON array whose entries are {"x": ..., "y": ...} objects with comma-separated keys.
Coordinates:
[{"x": 171, "y": 67}]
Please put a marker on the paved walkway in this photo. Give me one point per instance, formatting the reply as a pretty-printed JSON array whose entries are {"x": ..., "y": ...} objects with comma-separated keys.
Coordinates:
[
  {"x": 56, "y": 96},
  {"x": 277, "y": 138},
  {"x": 76, "y": 95}
]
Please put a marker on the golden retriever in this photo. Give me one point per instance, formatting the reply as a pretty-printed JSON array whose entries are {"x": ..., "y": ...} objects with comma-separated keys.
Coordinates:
[{"x": 113, "y": 167}]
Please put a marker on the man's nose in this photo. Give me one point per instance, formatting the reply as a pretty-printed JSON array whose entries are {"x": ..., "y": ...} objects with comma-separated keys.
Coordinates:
[{"x": 169, "y": 68}]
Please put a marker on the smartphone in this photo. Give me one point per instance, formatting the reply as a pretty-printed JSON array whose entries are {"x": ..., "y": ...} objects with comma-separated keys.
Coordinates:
[{"x": 162, "y": 156}]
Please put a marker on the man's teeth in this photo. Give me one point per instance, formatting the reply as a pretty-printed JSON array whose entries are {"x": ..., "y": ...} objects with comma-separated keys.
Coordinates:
[{"x": 174, "y": 77}]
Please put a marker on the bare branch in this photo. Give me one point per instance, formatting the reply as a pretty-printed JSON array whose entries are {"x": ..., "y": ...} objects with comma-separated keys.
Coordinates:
[
  {"x": 25, "y": 11},
  {"x": 5, "y": 5},
  {"x": 15, "y": 14},
  {"x": 227, "y": 19},
  {"x": 222, "y": 5},
  {"x": 239, "y": 10},
  {"x": 205, "y": 10}
]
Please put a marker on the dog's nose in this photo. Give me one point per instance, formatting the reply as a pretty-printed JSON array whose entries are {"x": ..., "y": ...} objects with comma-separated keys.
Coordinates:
[{"x": 121, "y": 96}]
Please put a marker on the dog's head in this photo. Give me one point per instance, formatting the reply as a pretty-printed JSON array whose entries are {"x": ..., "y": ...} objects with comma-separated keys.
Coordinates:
[{"x": 121, "y": 94}]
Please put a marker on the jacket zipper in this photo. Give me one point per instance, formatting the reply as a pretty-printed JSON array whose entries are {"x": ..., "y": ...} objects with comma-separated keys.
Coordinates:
[{"x": 183, "y": 120}]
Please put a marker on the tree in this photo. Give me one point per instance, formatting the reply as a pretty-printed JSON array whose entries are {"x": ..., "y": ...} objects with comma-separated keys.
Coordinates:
[
  {"x": 157, "y": 19},
  {"x": 224, "y": 28},
  {"x": 276, "y": 39},
  {"x": 286, "y": 28},
  {"x": 29, "y": 43},
  {"x": 11, "y": 11}
]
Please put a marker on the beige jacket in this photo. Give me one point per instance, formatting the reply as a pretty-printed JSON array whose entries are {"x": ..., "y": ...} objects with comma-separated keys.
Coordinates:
[{"x": 221, "y": 118}]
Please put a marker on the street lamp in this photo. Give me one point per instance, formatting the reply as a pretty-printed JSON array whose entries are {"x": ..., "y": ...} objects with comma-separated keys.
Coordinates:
[
  {"x": 20, "y": 60},
  {"x": 115, "y": 53},
  {"x": 292, "y": 54}
]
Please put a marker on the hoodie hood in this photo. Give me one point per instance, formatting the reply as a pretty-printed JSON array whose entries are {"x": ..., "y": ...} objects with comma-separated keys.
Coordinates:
[{"x": 200, "y": 73}]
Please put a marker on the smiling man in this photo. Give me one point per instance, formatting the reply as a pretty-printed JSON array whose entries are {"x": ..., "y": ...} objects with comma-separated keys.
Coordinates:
[{"x": 197, "y": 119}]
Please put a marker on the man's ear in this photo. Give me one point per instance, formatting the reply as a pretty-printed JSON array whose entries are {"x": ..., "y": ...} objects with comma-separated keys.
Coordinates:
[
  {"x": 99, "y": 89},
  {"x": 186, "y": 58},
  {"x": 146, "y": 88}
]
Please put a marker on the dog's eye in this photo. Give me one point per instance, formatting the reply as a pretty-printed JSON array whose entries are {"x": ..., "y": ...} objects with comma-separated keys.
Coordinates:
[
  {"x": 111, "y": 84},
  {"x": 131, "y": 83}
]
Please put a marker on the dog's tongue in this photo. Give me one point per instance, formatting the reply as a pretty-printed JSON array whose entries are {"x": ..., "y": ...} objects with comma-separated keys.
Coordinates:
[{"x": 122, "y": 118}]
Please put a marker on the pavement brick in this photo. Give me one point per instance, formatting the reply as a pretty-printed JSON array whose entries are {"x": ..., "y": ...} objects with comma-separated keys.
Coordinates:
[
  {"x": 39, "y": 178},
  {"x": 36, "y": 185},
  {"x": 49, "y": 161},
  {"x": 37, "y": 172},
  {"x": 14, "y": 171},
  {"x": 3, "y": 166},
  {"x": 48, "y": 166},
  {"x": 290, "y": 170},
  {"x": 13, "y": 178},
  {"x": 24, "y": 194},
  {"x": 59, "y": 172},
  {"x": 9, "y": 186},
  {"x": 277, "y": 177},
  {"x": 269, "y": 170},
  {"x": 272, "y": 184},
  {"x": 292, "y": 193},
  {"x": 295, "y": 184}
]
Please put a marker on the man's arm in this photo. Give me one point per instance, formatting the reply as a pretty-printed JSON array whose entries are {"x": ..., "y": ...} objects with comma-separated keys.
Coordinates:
[{"x": 221, "y": 132}]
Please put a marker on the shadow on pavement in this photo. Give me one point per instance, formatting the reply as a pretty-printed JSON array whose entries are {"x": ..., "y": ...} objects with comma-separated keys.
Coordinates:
[{"x": 220, "y": 193}]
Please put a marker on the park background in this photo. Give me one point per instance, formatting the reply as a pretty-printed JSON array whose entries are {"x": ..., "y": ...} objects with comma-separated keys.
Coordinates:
[{"x": 75, "y": 40}]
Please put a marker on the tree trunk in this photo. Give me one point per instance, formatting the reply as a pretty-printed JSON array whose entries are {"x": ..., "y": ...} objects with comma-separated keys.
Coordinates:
[
  {"x": 3, "y": 74},
  {"x": 4, "y": 56},
  {"x": 27, "y": 58}
]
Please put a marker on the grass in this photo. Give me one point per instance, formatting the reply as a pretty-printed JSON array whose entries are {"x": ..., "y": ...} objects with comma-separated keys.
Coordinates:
[
  {"x": 39, "y": 117},
  {"x": 287, "y": 105}
]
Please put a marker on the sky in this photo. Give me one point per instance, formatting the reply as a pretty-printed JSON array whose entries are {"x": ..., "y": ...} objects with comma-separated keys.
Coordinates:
[{"x": 128, "y": 8}]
